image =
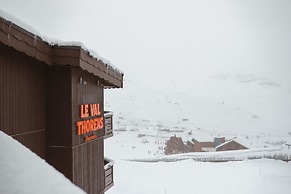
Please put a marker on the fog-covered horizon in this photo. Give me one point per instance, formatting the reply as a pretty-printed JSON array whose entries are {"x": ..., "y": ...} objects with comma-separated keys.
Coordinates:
[
  {"x": 232, "y": 51},
  {"x": 172, "y": 39}
]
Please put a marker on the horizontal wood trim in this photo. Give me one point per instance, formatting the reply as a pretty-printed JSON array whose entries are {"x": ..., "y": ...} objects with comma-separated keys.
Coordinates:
[
  {"x": 108, "y": 126},
  {"x": 35, "y": 141},
  {"x": 100, "y": 69},
  {"x": 108, "y": 172}
]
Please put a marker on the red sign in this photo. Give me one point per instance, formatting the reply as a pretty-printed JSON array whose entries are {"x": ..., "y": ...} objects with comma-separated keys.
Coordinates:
[{"x": 92, "y": 124}]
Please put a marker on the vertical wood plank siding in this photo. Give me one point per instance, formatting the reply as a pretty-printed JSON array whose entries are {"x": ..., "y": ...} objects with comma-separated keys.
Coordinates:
[
  {"x": 88, "y": 157},
  {"x": 82, "y": 162},
  {"x": 89, "y": 166},
  {"x": 61, "y": 158},
  {"x": 59, "y": 106},
  {"x": 88, "y": 93},
  {"x": 22, "y": 98},
  {"x": 59, "y": 128}
]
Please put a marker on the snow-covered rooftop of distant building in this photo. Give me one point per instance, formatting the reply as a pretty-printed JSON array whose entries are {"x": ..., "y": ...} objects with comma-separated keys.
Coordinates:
[
  {"x": 226, "y": 142},
  {"x": 55, "y": 42},
  {"x": 22, "y": 171}
]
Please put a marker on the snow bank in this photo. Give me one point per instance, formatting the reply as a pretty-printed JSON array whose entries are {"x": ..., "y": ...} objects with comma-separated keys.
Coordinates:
[
  {"x": 219, "y": 156},
  {"x": 187, "y": 177},
  {"x": 22, "y": 171}
]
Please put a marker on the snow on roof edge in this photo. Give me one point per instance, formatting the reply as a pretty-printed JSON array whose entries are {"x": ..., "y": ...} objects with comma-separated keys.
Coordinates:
[
  {"x": 9, "y": 17},
  {"x": 109, "y": 164},
  {"x": 224, "y": 143},
  {"x": 56, "y": 42}
]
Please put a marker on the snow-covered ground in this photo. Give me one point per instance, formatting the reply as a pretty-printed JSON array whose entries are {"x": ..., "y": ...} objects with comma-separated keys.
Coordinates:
[
  {"x": 141, "y": 168},
  {"x": 252, "y": 109},
  {"x": 188, "y": 177},
  {"x": 22, "y": 171}
]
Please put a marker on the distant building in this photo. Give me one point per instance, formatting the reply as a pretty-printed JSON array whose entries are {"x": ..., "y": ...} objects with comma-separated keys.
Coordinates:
[
  {"x": 218, "y": 141},
  {"x": 202, "y": 146},
  {"x": 176, "y": 145},
  {"x": 230, "y": 145}
]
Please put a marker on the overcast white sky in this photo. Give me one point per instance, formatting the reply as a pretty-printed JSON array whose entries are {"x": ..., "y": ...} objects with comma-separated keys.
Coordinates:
[{"x": 171, "y": 38}]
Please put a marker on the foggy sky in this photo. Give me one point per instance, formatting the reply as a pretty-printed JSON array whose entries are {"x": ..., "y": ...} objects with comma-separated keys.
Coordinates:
[{"x": 172, "y": 40}]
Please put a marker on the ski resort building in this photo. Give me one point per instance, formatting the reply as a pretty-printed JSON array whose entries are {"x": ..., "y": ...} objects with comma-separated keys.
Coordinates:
[
  {"x": 52, "y": 101},
  {"x": 175, "y": 145},
  {"x": 230, "y": 145}
]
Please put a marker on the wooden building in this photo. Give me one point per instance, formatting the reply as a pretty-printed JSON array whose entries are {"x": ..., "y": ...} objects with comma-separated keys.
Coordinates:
[
  {"x": 230, "y": 145},
  {"x": 202, "y": 146},
  {"x": 175, "y": 145},
  {"x": 52, "y": 101}
]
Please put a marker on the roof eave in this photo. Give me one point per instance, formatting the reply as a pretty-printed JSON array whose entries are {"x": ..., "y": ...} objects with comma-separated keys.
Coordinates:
[
  {"x": 24, "y": 41},
  {"x": 34, "y": 46},
  {"x": 78, "y": 57}
]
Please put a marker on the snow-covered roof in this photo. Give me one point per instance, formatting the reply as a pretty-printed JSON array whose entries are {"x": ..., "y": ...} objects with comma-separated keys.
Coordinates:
[
  {"x": 227, "y": 142},
  {"x": 22, "y": 171},
  {"x": 109, "y": 164},
  {"x": 24, "y": 38}
]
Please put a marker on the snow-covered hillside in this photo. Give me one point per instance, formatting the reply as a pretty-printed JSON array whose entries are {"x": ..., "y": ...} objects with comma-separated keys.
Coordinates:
[{"x": 251, "y": 108}]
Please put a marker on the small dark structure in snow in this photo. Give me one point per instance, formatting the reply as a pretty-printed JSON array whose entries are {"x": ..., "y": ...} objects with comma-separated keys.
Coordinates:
[{"x": 175, "y": 145}]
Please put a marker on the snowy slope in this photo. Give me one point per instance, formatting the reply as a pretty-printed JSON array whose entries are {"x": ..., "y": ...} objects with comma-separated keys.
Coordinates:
[
  {"x": 223, "y": 156},
  {"x": 253, "y": 109},
  {"x": 188, "y": 177},
  {"x": 24, "y": 172},
  {"x": 212, "y": 100}
]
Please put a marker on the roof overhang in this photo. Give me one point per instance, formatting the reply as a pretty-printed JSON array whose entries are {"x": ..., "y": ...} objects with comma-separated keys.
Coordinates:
[{"x": 34, "y": 46}]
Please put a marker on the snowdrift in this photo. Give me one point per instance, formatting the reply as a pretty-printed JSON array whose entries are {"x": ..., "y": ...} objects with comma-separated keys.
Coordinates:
[{"x": 22, "y": 171}]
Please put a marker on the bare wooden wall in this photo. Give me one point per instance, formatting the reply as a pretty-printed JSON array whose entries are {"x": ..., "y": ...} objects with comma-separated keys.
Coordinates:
[
  {"x": 22, "y": 98},
  {"x": 82, "y": 162}
]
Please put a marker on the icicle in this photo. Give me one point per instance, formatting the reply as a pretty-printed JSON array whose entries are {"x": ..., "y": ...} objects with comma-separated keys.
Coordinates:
[
  {"x": 10, "y": 26},
  {"x": 35, "y": 39},
  {"x": 8, "y": 34}
]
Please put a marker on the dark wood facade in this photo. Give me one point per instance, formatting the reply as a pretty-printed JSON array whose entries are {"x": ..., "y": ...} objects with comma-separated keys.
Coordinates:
[
  {"x": 65, "y": 93},
  {"x": 41, "y": 90},
  {"x": 22, "y": 98}
]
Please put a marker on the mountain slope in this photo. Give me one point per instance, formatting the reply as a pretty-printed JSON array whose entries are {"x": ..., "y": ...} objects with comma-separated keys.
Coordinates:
[{"x": 253, "y": 109}]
